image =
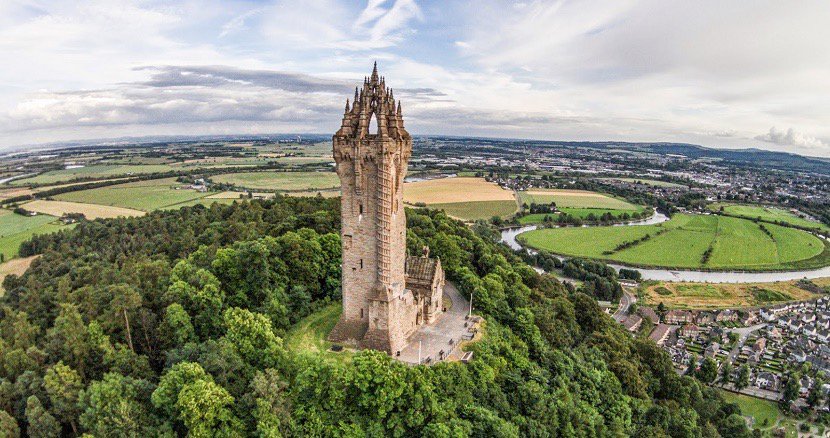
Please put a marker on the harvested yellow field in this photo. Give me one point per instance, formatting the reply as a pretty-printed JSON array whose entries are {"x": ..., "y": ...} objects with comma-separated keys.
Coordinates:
[
  {"x": 91, "y": 211},
  {"x": 14, "y": 192},
  {"x": 823, "y": 282},
  {"x": 16, "y": 267},
  {"x": 574, "y": 198},
  {"x": 451, "y": 190},
  {"x": 323, "y": 193},
  {"x": 683, "y": 295}
]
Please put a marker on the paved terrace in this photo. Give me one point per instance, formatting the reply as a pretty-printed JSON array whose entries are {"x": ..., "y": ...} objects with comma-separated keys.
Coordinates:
[{"x": 444, "y": 335}]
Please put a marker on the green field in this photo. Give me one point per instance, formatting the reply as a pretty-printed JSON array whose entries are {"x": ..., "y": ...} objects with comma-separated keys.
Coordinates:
[
  {"x": 142, "y": 195},
  {"x": 649, "y": 182},
  {"x": 681, "y": 242},
  {"x": 15, "y": 229},
  {"x": 96, "y": 171},
  {"x": 772, "y": 214},
  {"x": 280, "y": 181},
  {"x": 477, "y": 210}
]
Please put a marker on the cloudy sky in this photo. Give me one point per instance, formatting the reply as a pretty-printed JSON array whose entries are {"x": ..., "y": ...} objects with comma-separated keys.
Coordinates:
[{"x": 712, "y": 72}]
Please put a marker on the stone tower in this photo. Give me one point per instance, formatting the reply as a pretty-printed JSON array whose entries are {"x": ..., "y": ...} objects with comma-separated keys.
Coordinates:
[{"x": 372, "y": 150}]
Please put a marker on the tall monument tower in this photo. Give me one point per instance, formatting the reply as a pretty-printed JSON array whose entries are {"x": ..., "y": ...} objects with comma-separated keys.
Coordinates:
[{"x": 372, "y": 150}]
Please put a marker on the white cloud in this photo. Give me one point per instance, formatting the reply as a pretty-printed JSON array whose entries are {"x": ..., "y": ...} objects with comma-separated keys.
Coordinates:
[{"x": 792, "y": 138}]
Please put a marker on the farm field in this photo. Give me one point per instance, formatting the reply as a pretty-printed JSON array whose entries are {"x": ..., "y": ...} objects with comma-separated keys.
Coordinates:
[
  {"x": 682, "y": 241},
  {"x": 650, "y": 182},
  {"x": 90, "y": 211},
  {"x": 466, "y": 198},
  {"x": 141, "y": 195},
  {"x": 773, "y": 214},
  {"x": 450, "y": 190},
  {"x": 15, "y": 266},
  {"x": 575, "y": 198},
  {"x": 15, "y": 229},
  {"x": 100, "y": 171},
  {"x": 684, "y": 295},
  {"x": 280, "y": 181}
]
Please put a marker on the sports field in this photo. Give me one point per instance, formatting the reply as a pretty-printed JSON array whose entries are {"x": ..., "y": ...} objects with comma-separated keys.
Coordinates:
[
  {"x": 14, "y": 229},
  {"x": 723, "y": 295},
  {"x": 772, "y": 214},
  {"x": 465, "y": 198},
  {"x": 142, "y": 195},
  {"x": 681, "y": 242},
  {"x": 575, "y": 198},
  {"x": 281, "y": 181},
  {"x": 90, "y": 211},
  {"x": 95, "y": 171}
]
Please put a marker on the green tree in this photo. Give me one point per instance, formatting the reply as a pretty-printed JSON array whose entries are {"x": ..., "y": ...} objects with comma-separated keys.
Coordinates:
[
  {"x": 64, "y": 386},
  {"x": 171, "y": 383},
  {"x": 708, "y": 371},
  {"x": 118, "y": 406},
  {"x": 816, "y": 395},
  {"x": 252, "y": 336},
  {"x": 177, "y": 324},
  {"x": 8, "y": 426},
  {"x": 742, "y": 379},
  {"x": 726, "y": 372},
  {"x": 271, "y": 404},
  {"x": 205, "y": 409},
  {"x": 791, "y": 388},
  {"x": 40, "y": 423}
]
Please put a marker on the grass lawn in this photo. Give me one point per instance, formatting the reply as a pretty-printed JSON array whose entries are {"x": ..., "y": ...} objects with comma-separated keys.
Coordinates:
[
  {"x": 681, "y": 242},
  {"x": 309, "y": 335},
  {"x": 762, "y": 411},
  {"x": 15, "y": 229},
  {"x": 141, "y": 195},
  {"x": 766, "y": 213},
  {"x": 94, "y": 171},
  {"x": 281, "y": 181},
  {"x": 575, "y": 198},
  {"x": 684, "y": 295}
]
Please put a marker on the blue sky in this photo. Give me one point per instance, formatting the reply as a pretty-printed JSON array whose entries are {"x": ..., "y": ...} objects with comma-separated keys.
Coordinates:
[{"x": 721, "y": 74}]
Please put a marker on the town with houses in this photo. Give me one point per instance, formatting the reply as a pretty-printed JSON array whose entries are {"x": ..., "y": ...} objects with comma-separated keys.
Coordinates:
[{"x": 772, "y": 343}]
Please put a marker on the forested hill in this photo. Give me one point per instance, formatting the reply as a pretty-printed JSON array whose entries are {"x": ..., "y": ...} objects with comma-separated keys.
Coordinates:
[{"x": 171, "y": 325}]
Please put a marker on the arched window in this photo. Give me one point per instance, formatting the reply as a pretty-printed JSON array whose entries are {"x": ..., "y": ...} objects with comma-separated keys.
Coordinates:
[{"x": 373, "y": 124}]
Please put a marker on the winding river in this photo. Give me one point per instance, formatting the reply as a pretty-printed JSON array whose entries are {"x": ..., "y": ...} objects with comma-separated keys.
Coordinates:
[{"x": 508, "y": 236}]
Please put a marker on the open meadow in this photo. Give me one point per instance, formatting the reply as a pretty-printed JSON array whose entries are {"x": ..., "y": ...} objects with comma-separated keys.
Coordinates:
[
  {"x": 15, "y": 229},
  {"x": 15, "y": 266},
  {"x": 683, "y": 295},
  {"x": 684, "y": 242},
  {"x": 574, "y": 198},
  {"x": 141, "y": 195},
  {"x": 280, "y": 181},
  {"x": 466, "y": 198},
  {"x": 99, "y": 171},
  {"x": 767, "y": 213}
]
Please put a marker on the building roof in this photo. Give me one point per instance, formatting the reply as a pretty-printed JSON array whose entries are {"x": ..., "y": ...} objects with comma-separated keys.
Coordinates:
[{"x": 420, "y": 269}]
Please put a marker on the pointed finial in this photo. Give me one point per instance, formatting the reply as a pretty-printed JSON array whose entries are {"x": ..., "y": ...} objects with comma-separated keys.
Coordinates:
[
  {"x": 347, "y": 105},
  {"x": 399, "y": 107}
]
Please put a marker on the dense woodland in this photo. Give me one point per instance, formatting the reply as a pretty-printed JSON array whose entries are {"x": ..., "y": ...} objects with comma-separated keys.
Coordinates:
[{"x": 171, "y": 325}]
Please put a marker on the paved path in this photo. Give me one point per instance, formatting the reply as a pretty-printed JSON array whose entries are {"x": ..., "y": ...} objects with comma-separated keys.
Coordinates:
[
  {"x": 626, "y": 301},
  {"x": 436, "y": 337}
]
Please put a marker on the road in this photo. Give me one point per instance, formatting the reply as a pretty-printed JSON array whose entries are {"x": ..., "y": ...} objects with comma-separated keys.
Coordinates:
[
  {"x": 744, "y": 333},
  {"x": 626, "y": 301}
]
